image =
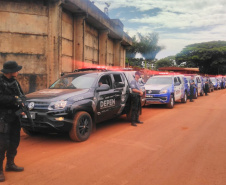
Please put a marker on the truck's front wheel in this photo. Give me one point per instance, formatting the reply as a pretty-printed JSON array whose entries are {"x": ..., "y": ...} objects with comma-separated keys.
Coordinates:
[
  {"x": 82, "y": 127},
  {"x": 171, "y": 102},
  {"x": 184, "y": 99}
]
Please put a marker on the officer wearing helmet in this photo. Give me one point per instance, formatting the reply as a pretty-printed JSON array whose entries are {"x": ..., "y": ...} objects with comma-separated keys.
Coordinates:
[{"x": 9, "y": 121}]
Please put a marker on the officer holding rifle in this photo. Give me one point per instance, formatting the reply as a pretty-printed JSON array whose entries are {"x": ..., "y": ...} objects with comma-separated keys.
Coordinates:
[{"x": 10, "y": 102}]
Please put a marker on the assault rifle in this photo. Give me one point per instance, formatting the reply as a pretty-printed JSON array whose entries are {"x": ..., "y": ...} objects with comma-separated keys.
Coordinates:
[
  {"x": 21, "y": 101},
  {"x": 24, "y": 108}
]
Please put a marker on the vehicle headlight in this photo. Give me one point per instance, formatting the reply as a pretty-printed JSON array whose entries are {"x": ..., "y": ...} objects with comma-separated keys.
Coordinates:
[
  {"x": 163, "y": 91},
  {"x": 57, "y": 105}
]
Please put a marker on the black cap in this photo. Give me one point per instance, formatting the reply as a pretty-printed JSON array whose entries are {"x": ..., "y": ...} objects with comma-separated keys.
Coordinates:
[{"x": 11, "y": 67}]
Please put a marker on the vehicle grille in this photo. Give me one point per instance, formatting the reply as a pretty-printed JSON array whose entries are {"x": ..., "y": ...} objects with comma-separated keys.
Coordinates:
[
  {"x": 40, "y": 105},
  {"x": 152, "y": 91},
  {"x": 38, "y": 118},
  {"x": 157, "y": 99}
]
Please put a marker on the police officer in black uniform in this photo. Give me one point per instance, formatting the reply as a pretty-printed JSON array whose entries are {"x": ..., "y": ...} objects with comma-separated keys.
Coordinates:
[
  {"x": 9, "y": 122},
  {"x": 192, "y": 87},
  {"x": 206, "y": 86},
  {"x": 136, "y": 102}
]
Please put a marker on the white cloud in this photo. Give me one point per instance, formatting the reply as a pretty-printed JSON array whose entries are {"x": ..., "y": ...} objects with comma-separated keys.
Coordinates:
[{"x": 179, "y": 23}]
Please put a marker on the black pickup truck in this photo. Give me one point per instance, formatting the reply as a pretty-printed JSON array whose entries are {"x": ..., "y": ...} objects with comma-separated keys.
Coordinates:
[{"x": 76, "y": 102}]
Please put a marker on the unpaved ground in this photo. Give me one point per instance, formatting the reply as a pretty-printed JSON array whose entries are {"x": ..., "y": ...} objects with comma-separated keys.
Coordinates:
[{"x": 181, "y": 146}]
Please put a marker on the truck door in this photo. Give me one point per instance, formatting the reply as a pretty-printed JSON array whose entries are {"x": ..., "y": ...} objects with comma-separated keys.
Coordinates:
[
  {"x": 182, "y": 86},
  {"x": 121, "y": 92},
  {"x": 199, "y": 84},
  {"x": 107, "y": 101},
  {"x": 177, "y": 89}
]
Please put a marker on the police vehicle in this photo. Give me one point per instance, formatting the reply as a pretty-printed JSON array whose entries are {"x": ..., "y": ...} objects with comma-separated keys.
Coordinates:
[
  {"x": 221, "y": 81},
  {"x": 166, "y": 89},
  {"x": 199, "y": 84},
  {"x": 195, "y": 93},
  {"x": 130, "y": 75},
  {"x": 216, "y": 83},
  {"x": 210, "y": 84},
  {"x": 76, "y": 102}
]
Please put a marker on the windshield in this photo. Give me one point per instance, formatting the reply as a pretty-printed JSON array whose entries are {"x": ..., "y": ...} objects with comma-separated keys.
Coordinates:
[
  {"x": 213, "y": 79},
  {"x": 77, "y": 81},
  {"x": 220, "y": 79},
  {"x": 130, "y": 75},
  {"x": 159, "y": 80}
]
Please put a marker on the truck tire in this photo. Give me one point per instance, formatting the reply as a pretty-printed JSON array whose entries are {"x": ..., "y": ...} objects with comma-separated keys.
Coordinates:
[
  {"x": 184, "y": 99},
  {"x": 170, "y": 105},
  {"x": 30, "y": 132},
  {"x": 202, "y": 93},
  {"x": 82, "y": 127}
]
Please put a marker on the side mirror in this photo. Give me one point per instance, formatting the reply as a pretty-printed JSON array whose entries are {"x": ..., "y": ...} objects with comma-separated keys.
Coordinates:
[
  {"x": 119, "y": 84},
  {"x": 103, "y": 87},
  {"x": 177, "y": 83}
]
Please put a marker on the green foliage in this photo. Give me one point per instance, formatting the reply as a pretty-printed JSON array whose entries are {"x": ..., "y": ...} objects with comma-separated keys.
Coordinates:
[
  {"x": 134, "y": 62},
  {"x": 165, "y": 62},
  {"x": 146, "y": 45},
  {"x": 132, "y": 50},
  {"x": 210, "y": 57}
]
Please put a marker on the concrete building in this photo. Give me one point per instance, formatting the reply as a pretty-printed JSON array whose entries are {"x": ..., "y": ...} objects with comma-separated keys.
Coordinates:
[{"x": 48, "y": 37}]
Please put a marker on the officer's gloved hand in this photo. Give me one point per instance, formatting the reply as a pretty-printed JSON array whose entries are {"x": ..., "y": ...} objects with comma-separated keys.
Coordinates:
[{"x": 18, "y": 100}]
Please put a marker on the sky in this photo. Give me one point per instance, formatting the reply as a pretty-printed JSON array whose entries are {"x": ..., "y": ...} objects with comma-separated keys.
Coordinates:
[{"x": 177, "y": 22}]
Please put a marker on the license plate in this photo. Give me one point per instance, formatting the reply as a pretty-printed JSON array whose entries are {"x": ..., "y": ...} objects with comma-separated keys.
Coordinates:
[
  {"x": 149, "y": 96},
  {"x": 32, "y": 115}
]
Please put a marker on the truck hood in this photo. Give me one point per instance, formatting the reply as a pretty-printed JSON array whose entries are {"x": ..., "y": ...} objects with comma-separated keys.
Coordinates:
[
  {"x": 157, "y": 87},
  {"x": 56, "y": 94}
]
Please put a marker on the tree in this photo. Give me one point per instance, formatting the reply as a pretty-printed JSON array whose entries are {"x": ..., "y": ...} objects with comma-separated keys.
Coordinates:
[
  {"x": 146, "y": 45},
  {"x": 132, "y": 50},
  {"x": 210, "y": 57},
  {"x": 165, "y": 62}
]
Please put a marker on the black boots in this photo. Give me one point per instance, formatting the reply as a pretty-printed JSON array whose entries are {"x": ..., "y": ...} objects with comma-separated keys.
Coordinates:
[
  {"x": 10, "y": 166},
  {"x": 133, "y": 124},
  {"x": 2, "y": 176},
  {"x": 139, "y": 122}
]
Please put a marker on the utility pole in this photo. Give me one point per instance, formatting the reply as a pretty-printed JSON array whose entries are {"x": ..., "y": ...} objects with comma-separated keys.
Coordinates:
[{"x": 106, "y": 8}]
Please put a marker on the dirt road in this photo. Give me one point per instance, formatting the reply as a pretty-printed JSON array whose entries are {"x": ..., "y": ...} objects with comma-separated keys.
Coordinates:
[{"x": 181, "y": 146}]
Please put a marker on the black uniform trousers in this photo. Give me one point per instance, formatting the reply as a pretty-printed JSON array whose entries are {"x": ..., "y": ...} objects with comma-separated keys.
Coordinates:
[
  {"x": 9, "y": 141},
  {"x": 206, "y": 88},
  {"x": 191, "y": 92},
  {"x": 136, "y": 107}
]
